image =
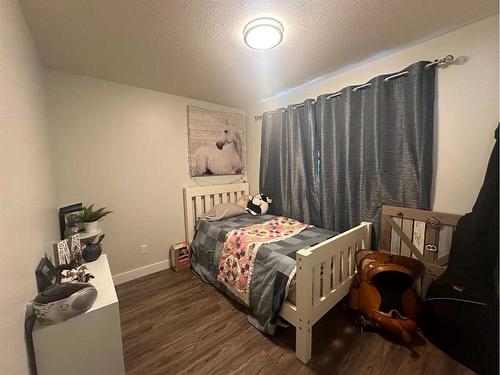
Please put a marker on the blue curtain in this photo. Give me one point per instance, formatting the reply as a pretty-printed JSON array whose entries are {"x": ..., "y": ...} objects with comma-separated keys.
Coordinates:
[
  {"x": 343, "y": 156},
  {"x": 289, "y": 163}
]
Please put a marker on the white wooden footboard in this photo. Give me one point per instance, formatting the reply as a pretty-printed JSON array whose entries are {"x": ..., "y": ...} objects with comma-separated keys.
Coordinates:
[{"x": 324, "y": 276}]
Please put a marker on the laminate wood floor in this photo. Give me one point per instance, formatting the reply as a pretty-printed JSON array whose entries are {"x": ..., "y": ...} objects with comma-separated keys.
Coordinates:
[{"x": 173, "y": 323}]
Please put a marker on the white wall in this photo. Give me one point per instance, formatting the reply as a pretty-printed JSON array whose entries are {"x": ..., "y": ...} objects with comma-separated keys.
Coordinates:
[
  {"x": 125, "y": 148},
  {"x": 28, "y": 217},
  {"x": 467, "y": 108}
]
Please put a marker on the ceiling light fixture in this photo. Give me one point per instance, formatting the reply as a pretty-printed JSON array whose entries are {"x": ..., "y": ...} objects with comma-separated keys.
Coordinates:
[{"x": 263, "y": 33}]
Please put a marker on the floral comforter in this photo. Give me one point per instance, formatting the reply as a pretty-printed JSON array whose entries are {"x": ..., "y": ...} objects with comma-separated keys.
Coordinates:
[{"x": 236, "y": 263}]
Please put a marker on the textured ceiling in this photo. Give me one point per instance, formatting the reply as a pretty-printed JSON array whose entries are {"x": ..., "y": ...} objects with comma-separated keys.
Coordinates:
[{"x": 195, "y": 49}]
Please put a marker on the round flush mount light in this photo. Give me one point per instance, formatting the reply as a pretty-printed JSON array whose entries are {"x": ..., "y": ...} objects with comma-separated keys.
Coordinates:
[{"x": 263, "y": 33}]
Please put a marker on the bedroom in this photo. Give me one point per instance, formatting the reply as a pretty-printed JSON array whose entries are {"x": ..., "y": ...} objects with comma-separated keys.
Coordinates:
[{"x": 95, "y": 108}]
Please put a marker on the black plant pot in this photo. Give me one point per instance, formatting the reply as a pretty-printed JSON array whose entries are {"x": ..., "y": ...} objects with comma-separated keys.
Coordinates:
[{"x": 91, "y": 252}]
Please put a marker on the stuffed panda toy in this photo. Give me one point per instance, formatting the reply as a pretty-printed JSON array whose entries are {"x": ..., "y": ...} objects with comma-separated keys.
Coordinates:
[{"x": 258, "y": 204}]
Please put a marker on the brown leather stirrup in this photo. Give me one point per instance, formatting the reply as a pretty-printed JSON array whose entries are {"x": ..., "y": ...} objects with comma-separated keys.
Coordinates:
[{"x": 383, "y": 292}]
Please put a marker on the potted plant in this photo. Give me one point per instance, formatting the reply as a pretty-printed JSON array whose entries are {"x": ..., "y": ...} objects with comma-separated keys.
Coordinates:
[{"x": 90, "y": 218}]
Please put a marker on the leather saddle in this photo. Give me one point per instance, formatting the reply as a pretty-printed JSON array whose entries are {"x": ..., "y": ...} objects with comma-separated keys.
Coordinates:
[{"x": 383, "y": 292}]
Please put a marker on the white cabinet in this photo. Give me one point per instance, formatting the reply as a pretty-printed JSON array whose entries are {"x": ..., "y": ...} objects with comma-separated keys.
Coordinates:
[{"x": 89, "y": 343}]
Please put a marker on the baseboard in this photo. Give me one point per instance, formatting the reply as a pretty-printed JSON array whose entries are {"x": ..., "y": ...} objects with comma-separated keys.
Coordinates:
[{"x": 121, "y": 278}]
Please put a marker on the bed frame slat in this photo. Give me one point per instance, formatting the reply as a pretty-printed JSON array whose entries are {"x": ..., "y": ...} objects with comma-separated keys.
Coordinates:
[
  {"x": 352, "y": 260},
  {"x": 345, "y": 263},
  {"x": 316, "y": 285},
  {"x": 327, "y": 277},
  {"x": 337, "y": 275},
  {"x": 217, "y": 199},
  {"x": 208, "y": 203},
  {"x": 199, "y": 207}
]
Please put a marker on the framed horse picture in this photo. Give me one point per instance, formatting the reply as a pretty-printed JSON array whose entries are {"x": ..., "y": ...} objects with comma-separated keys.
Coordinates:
[{"x": 217, "y": 142}]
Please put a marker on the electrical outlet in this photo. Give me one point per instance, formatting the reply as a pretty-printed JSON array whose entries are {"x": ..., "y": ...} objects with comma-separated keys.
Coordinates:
[{"x": 144, "y": 249}]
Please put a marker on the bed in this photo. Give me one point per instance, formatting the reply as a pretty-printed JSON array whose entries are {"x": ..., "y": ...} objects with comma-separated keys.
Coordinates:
[{"x": 323, "y": 272}]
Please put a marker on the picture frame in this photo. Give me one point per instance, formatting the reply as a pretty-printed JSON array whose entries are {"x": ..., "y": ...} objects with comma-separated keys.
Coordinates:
[
  {"x": 46, "y": 274},
  {"x": 75, "y": 247},
  {"x": 216, "y": 142},
  {"x": 62, "y": 253},
  {"x": 67, "y": 219}
]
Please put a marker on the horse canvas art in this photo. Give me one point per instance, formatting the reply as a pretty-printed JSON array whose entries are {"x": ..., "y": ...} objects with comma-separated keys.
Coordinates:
[{"x": 216, "y": 142}]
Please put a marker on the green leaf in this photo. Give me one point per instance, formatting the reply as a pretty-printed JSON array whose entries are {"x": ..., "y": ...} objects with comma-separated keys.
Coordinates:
[{"x": 88, "y": 215}]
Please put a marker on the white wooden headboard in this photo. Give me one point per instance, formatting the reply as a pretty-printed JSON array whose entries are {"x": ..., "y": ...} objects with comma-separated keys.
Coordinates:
[{"x": 200, "y": 199}]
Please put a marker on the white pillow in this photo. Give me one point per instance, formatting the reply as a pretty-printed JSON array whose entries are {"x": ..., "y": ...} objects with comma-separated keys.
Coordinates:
[{"x": 223, "y": 211}]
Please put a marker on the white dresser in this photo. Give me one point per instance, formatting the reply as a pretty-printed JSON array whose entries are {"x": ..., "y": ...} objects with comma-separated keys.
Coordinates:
[{"x": 90, "y": 343}]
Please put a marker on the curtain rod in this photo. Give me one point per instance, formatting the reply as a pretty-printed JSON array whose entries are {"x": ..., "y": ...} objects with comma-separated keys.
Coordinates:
[{"x": 448, "y": 59}]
